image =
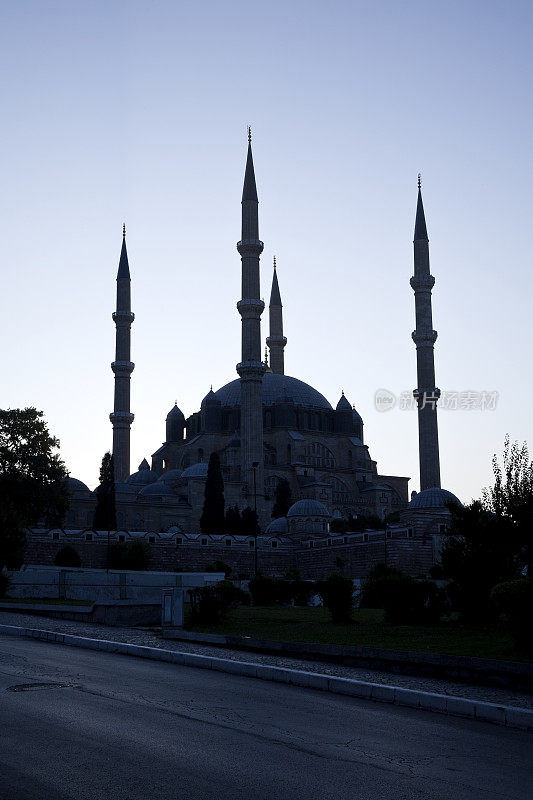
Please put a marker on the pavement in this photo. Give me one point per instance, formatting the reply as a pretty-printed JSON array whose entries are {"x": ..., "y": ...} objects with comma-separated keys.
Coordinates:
[
  {"x": 487, "y": 694},
  {"x": 81, "y": 724}
]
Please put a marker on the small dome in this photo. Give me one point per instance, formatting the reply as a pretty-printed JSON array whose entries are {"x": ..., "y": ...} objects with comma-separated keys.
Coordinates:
[
  {"x": 279, "y": 525},
  {"x": 195, "y": 470},
  {"x": 143, "y": 476},
  {"x": 308, "y": 508},
  {"x": 170, "y": 476},
  {"x": 125, "y": 488},
  {"x": 356, "y": 415},
  {"x": 175, "y": 412},
  {"x": 433, "y": 498},
  {"x": 156, "y": 490},
  {"x": 343, "y": 404},
  {"x": 211, "y": 399},
  {"x": 74, "y": 485}
]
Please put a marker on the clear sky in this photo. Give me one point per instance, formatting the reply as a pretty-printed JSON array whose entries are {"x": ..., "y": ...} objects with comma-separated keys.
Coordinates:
[{"x": 136, "y": 112}]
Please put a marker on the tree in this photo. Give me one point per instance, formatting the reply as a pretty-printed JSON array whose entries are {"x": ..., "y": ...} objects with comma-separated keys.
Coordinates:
[
  {"x": 105, "y": 513},
  {"x": 249, "y": 522},
  {"x": 282, "y": 499},
  {"x": 212, "y": 519},
  {"x": 32, "y": 480},
  {"x": 511, "y": 497},
  {"x": 233, "y": 522}
]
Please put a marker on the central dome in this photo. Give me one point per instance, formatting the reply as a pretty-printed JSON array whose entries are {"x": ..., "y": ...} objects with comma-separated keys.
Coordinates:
[{"x": 276, "y": 387}]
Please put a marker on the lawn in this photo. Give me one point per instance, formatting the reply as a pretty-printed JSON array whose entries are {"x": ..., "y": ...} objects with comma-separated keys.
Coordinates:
[{"x": 368, "y": 630}]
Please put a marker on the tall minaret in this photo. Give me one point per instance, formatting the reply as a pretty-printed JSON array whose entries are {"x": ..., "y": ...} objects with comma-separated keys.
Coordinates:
[
  {"x": 276, "y": 341},
  {"x": 121, "y": 418},
  {"x": 251, "y": 368},
  {"x": 424, "y": 338}
]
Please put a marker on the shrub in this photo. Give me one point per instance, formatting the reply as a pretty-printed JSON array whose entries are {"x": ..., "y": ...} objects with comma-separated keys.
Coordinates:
[
  {"x": 4, "y": 584},
  {"x": 375, "y": 591},
  {"x": 67, "y": 557},
  {"x": 129, "y": 555},
  {"x": 270, "y": 591},
  {"x": 219, "y": 566},
  {"x": 515, "y": 600},
  {"x": 210, "y": 604},
  {"x": 337, "y": 595},
  {"x": 412, "y": 602}
]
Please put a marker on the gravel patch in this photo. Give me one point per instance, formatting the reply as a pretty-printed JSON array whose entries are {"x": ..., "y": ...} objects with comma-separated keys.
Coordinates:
[{"x": 148, "y": 638}]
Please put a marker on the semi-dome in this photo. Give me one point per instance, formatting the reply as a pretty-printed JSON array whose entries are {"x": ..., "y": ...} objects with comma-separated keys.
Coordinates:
[
  {"x": 433, "y": 498},
  {"x": 74, "y": 485},
  {"x": 198, "y": 470},
  {"x": 279, "y": 525},
  {"x": 308, "y": 508},
  {"x": 156, "y": 490},
  {"x": 275, "y": 387}
]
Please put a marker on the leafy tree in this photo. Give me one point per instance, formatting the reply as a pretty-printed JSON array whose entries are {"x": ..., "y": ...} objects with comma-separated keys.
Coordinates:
[
  {"x": 511, "y": 497},
  {"x": 233, "y": 522},
  {"x": 212, "y": 519},
  {"x": 67, "y": 557},
  {"x": 282, "y": 499},
  {"x": 32, "y": 480},
  {"x": 105, "y": 514},
  {"x": 337, "y": 594},
  {"x": 479, "y": 551},
  {"x": 249, "y": 522}
]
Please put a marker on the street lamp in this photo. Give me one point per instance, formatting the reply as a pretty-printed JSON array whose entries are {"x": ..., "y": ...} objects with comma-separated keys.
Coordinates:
[{"x": 255, "y": 464}]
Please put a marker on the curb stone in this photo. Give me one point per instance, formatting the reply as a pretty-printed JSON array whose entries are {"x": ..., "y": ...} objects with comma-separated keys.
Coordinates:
[{"x": 428, "y": 701}]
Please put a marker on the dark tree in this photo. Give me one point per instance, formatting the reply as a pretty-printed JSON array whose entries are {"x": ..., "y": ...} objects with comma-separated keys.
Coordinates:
[
  {"x": 212, "y": 519},
  {"x": 233, "y": 520},
  {"x": 105, "y": 514},
  {"x": 67, "y": 557},
  {"x": 282, "y": 499},
  {"x": 32, "y": 480},
  {"x": 250, "y": 523}
]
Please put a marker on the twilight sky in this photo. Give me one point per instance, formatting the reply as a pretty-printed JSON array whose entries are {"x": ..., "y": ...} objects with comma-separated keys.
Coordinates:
[{"x": 136, "y": 112}]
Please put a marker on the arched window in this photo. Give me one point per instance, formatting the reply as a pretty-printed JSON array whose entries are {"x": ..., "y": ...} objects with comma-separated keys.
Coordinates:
[
  {"x": 200, "y": 454},
  {"x": 289, "y": 454},
  {"x": 350, "y": 459}
]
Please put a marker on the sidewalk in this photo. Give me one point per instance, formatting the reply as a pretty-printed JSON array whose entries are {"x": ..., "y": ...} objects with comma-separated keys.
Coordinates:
[{"x": 146, "y": 638}]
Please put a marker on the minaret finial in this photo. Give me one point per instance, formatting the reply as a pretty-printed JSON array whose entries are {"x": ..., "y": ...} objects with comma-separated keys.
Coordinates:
[
  {"x": 266, "y": 355},
  {"x": 249, "y": 135},
  {"x": 124, "y": 231},
  {"x": 274, "y": 262},
  {"x": 419, "y": 181}
]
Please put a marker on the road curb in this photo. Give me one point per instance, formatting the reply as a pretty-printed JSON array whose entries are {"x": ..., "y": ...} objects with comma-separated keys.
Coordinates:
[{"x": 427, "y": 701}]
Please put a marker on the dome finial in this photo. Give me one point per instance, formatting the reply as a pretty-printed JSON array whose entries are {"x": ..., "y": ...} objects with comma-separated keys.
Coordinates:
[
  {"x": 249, "y": 135},
  {"x": 266, "y": 355},
  {"x": 419, "y": 181},
  {"x": 124, "y": 231}
]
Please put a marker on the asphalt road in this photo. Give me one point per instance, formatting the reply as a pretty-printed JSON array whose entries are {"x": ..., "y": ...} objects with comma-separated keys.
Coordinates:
[{"x": 78, "y": 724}]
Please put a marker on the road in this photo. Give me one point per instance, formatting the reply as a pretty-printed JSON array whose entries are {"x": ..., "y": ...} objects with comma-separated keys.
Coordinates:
[{"x": 81, "y": 724}]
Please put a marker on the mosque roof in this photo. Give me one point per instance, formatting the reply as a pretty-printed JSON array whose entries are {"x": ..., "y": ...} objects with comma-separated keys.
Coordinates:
[
  {"x": 170, "y": 476},
  {"x": 308, "y": 508},
  {"x": 343, "y": 404},
  {"x": 198, "y": 470},
  {"x": 274, "y": 388},
  {"x": 74, "y": 485},
  {"x": 278, "y": 525},
  {"x": 433, "y": 498}
]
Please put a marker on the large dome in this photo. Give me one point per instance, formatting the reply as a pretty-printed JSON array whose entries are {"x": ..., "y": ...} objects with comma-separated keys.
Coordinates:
[{"x": 275, "y": 387}]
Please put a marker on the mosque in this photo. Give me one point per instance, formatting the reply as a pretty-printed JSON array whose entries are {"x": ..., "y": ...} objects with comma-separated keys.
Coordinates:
[{"x": 266, "y": 425}]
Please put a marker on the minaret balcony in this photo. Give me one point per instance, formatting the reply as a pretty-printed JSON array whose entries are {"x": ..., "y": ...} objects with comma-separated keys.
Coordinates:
[
  {"x": 123, "y": 317},
  {"x": 276, "y": 341},
  {"x": 251, "y": 370},
  {"x": 422, "y": 283},
  {"x": 424, "y": 338},
  {"x": 250, "y": 308},
  {"x": 250, "y": 247},
  {"x": 121, "y": 419},
  {"x": 122, "y": 367}
]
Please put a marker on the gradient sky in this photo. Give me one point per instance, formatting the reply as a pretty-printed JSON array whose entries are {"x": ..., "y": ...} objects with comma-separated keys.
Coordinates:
[{"x": 136, "y": 112}]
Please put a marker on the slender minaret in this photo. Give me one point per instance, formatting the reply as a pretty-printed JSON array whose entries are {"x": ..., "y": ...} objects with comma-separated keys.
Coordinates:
[
  {"x": 251, "y": 368},
  {"x": 121, "y": 418},
  {"x": 424, "y": 337},
  {"x": 276, "y": 341}
]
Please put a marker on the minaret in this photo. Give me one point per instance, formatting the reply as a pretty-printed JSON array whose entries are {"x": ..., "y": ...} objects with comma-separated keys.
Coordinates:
[
  {"x": 251, "y": 368},
  {"x": 121, "y": 418},
  {"x": 276, "y": 341},
  {"x": 424, "y": 338}
]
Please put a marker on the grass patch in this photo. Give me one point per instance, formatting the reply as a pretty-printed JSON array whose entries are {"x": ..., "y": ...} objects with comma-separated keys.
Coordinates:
[
  {"x": 368, "y": 630},
  {"x": 53, "y": 601}
]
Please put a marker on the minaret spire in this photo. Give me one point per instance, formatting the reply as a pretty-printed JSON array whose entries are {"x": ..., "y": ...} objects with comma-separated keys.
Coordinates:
[
  {"x": 276, "y": 340},
  {"x": 251, "y": 367},
  {"x": 121, "y": 418},
  {"x": 424, "y": 338}
]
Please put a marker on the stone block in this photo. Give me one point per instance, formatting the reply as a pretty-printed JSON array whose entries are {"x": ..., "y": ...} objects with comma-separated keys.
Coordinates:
[
  {"x": 489, "y": 712},
  {"x": 460, "y": 707},
  {"x": 519, "y": 718},
  {"x": 432, "y": 702},
  {"x": 384, "y": 694}
]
